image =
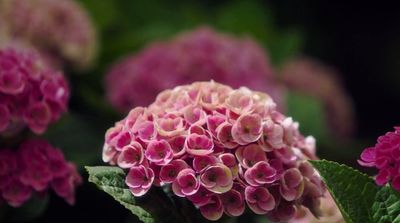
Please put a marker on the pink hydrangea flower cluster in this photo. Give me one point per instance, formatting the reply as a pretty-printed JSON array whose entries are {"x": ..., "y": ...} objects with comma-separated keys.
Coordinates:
[
  {"x": 200, "y": 55},
  {"x": 31, "y": 94},
  {"x": 60, "y": 29},
  {"x": 219, "y": 148},
  {"x": 36, "y": 167},
  {"x": 313, "y": 78},
  {"x": 385, "y": 156}
]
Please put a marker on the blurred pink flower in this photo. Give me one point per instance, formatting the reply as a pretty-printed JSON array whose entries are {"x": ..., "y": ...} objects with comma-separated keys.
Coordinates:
[
  {"x": 202, "y": 54},
  {"x": 204, "y": 162},
  {"x": 60, "y": 29},
  {"x": 310, "y": 77},
  {"x": 36, "y": 166},
  {"x": 31, "y": 93}
]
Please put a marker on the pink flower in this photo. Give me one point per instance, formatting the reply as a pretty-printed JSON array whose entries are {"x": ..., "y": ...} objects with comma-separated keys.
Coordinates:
[
  {"x": 218, "y": 151},
  {"x": 61, "y": 30},
  {"x": 16, "y": 193},
  {"x": 36, "y": 166},
  {"x": 247, "y": 129},
  {"x": 169, "y": 172},
  {"x": 217, "y": 178},
  {"x": 259, "y": 174},
  {"x": 213, "y": 210},
  {"x": 201, "y": 197},
  {"x": 200, "y": 163},
  {"x": 250, "y": 155},
  {"x": 159, "y": 152},
  {"x": 292, "y": 184},
  {"x": 259, "y": 199},
  {"x": 186, "y": 183},
  {"x": 272, "y": 137},
  {"x": 131, "y": 155},
  {"x": 5, "y": 117},
  {"x": 202, "y": 54},
  {"x": 199, "y": 145},
  {"x": 233, "y": 202},
  {"x": 224, "y": 136},
  {"x": 31, "y": 93},
  {"x": 385, "y": 157},
  {"x": 139, "y": 180},
  {"x": 65, "y": 186}
]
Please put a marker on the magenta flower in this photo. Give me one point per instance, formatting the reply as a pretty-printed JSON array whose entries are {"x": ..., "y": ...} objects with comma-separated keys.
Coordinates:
[
  {"x": 213, "y": 210},
  {"x": 199, "y": 55},
  {"x": 259, "y": 174},
  {"x": 292, "y": 184},
  {"x": 200, "y": 163},
  {"x": 139, "y": 180},
  {"x": 259, "y": 199},
  {"x": 233, "y": 201},
  {"x": 217, "y": 178},
  {"x": 385, "y": 157},
  {"x": 217, "y": 151},
  {"x": 34, "y": 168},
  {"x": 159, "y": 152},
  {"x": 169, "y": 172},
  {"x": 201, "y": 197},
  {"x": 250, "y": 155},
  {"x": 31, "y": 93},
  {"x": 131, "y": 155},
  {"x": 186, "y": 183},
  {"x": 60, "y": 30}
]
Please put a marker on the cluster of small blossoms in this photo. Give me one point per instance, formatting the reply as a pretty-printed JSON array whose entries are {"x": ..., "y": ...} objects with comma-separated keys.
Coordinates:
[
  {"x": 329, "y": 213},
  {"x": 200, "y": 55},
  {"x": 322, "y": 82},
  {"x": 221, "y": 149},
  {"x": 59, "y": 29},
  {"x": 35, "y": 167},
  {"x": 385, "y": 156},
  {"x": 31, "y": 93}
]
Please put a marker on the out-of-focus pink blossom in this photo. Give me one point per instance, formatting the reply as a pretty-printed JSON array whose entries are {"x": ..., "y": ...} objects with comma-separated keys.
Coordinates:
[
  {"x": 199, "y": 55},
  {"x": 31, "y": 93},
  {"x": 60, "y": 29},
  {"x": 36, "y": 166},
  {"x": 385, "y": 157},
  {"x": 223, "y": 154},
  {"x": 310, "y": 77}
]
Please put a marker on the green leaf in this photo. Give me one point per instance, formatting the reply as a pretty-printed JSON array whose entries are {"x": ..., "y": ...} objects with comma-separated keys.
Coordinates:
[
  {"x": 353, "y": 191},
  {"x": 112, "y": 181},
  {"x": 387, "y": 206}
]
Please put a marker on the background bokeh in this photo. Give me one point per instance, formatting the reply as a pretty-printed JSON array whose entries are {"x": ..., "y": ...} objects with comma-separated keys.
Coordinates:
[{"x": 360, "y": 42}]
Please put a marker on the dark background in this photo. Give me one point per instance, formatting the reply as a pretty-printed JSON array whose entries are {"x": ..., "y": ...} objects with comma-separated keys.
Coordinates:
[{"x": 361, "y": 40}]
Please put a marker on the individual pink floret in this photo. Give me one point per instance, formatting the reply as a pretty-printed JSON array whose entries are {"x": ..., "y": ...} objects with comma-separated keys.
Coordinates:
[
  {"x": 259, "y": 174},
  {"x": 169, "y": 172},
  {"x": 217, "y": 178},
  {"x": 213, "y": 210},
  {"x": 139, "y": 180},
  {"x": 233, "y": 201},
  {"x": 186, "y": 183},
  {"x": 159, "y": 152},
  {"x": 259, "y": 199},
  {"x": 131, "y": 155}
]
